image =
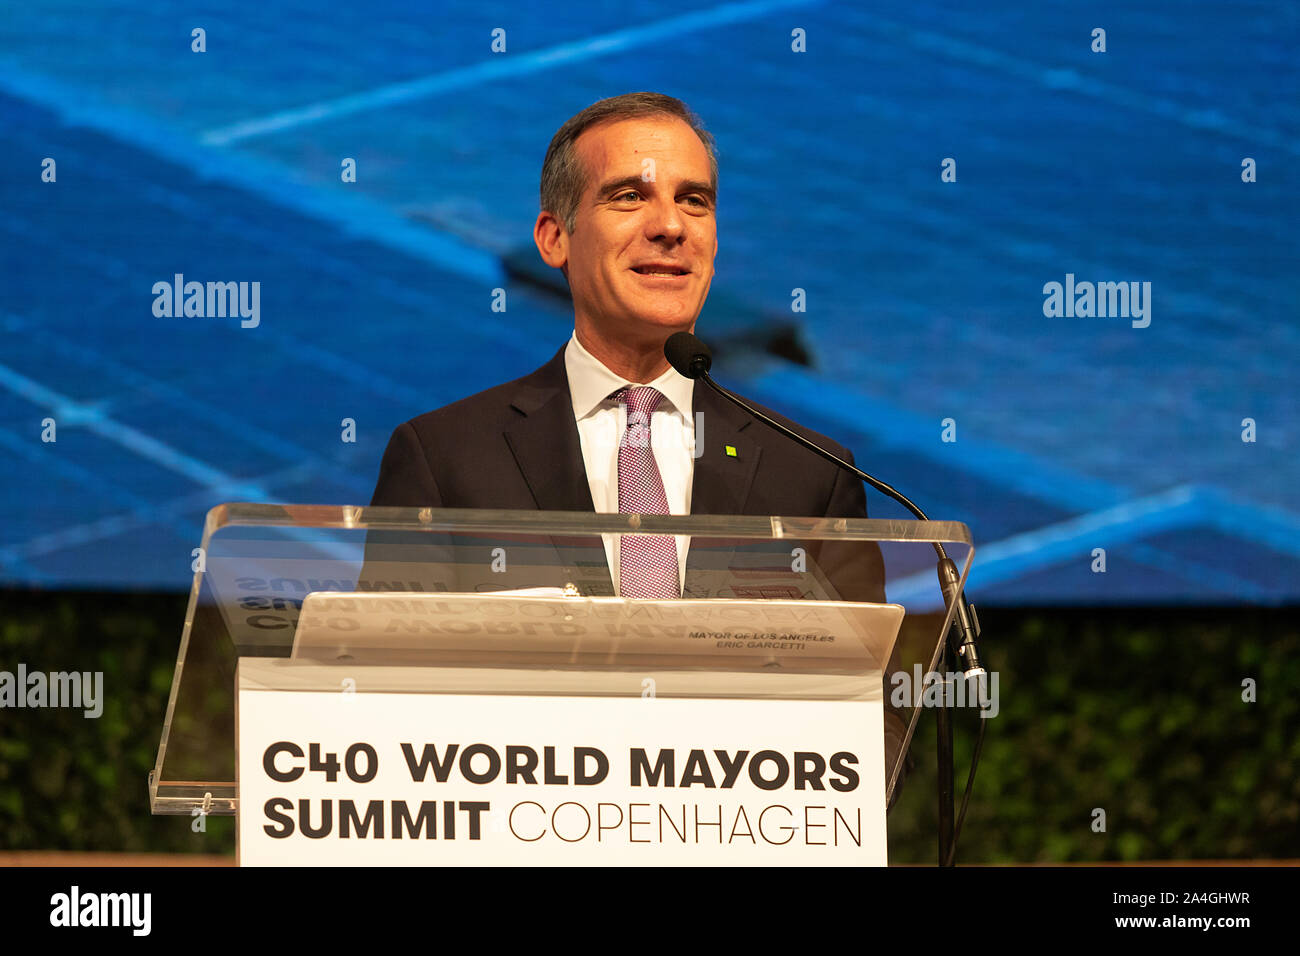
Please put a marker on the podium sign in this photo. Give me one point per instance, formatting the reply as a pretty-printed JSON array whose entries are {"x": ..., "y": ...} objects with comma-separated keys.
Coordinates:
[{"x": 420, "y": 779}]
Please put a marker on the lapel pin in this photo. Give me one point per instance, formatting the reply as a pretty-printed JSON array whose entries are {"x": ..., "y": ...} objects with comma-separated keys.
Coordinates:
[{"x": 731, "y": 451}]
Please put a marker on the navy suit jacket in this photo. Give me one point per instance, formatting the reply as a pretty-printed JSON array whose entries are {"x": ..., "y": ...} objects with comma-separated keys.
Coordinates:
[{"x": 516, "y": 446}]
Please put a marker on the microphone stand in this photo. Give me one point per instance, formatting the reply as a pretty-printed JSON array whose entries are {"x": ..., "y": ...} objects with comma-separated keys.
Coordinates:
[{"x": 965, "y": 625}]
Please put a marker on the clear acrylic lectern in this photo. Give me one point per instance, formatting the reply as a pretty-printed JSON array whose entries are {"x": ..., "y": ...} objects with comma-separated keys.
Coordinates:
[{"x": 523, "y": 603}]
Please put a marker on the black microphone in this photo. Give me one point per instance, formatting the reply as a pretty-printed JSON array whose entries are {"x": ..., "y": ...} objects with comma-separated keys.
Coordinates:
[
  {"x": 688, "y": 355},
  {"x": 692, "y": 358}
]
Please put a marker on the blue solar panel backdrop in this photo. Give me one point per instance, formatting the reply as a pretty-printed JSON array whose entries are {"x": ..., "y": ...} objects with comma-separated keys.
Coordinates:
[{"x": 1034, "y": 263}]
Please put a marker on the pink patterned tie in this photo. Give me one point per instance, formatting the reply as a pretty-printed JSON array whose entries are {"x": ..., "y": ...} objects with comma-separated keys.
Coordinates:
[{"x": 647, "y": 565}]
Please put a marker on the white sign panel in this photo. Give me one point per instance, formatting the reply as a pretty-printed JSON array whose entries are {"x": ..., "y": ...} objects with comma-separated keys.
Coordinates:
[{"x": 427, "y": 779}]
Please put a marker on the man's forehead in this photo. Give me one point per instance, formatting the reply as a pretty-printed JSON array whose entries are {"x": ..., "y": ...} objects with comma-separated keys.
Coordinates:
[{"x": 615, "y": 147}]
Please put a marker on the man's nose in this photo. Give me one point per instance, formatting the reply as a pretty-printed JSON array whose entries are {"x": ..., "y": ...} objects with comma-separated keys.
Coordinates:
[{"x": 665, "y": 221}]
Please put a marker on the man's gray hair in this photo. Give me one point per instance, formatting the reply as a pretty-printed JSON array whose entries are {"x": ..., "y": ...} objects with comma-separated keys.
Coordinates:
[{"x": 563, "y": 177}]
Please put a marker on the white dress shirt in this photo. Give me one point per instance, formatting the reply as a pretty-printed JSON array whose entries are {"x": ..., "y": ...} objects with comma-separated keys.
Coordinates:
[{"x": 601, "y": 424}]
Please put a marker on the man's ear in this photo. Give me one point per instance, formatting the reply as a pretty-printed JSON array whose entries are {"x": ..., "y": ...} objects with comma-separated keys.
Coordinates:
[{"x": 552, "y": 240}]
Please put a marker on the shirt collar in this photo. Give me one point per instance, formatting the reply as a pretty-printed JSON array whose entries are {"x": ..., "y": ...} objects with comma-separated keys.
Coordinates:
[{"x": 590, "y": 382}]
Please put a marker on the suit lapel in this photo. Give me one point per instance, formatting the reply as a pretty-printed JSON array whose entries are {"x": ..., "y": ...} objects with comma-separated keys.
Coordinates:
[
  {"x": 728, "y": 456},
  {"x": 545, "y": 440},
  {"x": 548, "y": 451},
  {"x": 723, "y": 479}
]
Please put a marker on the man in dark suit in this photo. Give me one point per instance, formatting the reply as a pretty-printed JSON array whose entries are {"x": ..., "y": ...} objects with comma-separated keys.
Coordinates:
[{"x": 628, "y": 199}]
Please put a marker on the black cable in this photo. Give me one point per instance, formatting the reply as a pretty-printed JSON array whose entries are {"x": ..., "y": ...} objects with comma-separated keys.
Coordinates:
[{"x": 965, "y": 800}]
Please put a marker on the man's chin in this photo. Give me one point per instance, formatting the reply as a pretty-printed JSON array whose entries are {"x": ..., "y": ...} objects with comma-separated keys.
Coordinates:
[
  {"x": 655, "y": 333},
  {"x": 665, "y": 321}
]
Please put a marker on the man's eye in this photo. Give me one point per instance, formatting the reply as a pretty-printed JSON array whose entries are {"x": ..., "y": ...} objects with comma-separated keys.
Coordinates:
[
  {"x": 697, "y": 200},
  {"x": 622, "y": 197}
]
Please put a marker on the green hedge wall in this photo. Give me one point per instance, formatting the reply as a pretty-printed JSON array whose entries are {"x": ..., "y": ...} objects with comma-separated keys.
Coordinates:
[
  {"x": 1136, "y": 712},
  {"x": 72, "y": 783}
]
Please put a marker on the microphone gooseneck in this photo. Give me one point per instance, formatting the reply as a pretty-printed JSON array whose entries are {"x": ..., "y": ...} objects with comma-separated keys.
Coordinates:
[{"x": 692, "y": 358}]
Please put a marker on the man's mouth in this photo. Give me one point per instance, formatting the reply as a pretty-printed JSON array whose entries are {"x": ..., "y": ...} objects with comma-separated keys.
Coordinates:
[{"x": 660, "y": 269}]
